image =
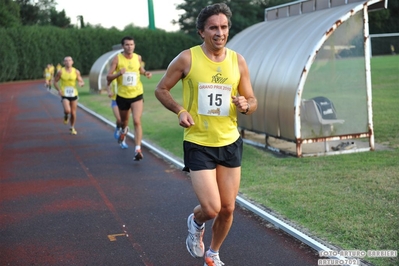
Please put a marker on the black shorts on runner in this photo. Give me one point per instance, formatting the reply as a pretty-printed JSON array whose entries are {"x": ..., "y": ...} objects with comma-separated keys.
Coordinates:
[
  {"x": 197, "y": 157},
  {"x": 71, "y": 99},
  {"x": 124, "y": 103}
]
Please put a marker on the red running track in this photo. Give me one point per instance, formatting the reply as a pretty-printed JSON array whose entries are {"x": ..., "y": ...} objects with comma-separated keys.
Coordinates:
[{"x": 81, "y": 200}]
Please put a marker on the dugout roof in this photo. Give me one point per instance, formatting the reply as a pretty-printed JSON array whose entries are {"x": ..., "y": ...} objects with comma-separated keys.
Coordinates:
[
  {"x": 99, "y": 70},
  {"x": 303, "y": 50}
]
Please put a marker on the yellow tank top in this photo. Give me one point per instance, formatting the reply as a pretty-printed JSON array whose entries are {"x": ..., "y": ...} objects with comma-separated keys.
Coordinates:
[
  {"x": 114, "y": 88},
  {"x": 52, "y": 70},
  {"x": 129, "y": 84},
  {"x": 68, "y": 82},
  {"x": 208, "y": 88},
  {"x": 47, "y": 73}
]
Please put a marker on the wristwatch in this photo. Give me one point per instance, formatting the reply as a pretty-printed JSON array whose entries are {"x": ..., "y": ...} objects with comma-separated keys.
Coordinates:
[{"x": 246, "y": 110}]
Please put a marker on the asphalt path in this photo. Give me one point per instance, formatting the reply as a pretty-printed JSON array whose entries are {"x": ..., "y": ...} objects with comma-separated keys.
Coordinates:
[{"x": 82, "y": 200}]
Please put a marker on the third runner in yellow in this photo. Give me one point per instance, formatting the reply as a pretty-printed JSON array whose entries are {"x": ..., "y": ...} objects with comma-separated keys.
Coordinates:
[{"x": 68, "y": 76}]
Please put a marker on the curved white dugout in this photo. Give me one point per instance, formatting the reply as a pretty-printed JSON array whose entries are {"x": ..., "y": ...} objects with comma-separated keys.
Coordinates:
[
  {"x": 99, "y": 70},
  {"x": 280, "y": 53}
]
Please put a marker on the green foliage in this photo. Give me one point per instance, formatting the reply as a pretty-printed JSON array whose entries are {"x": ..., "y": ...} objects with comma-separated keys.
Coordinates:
[
  {"x": 188, "y": 19},
  {"x": 49, "y": 44},
  {"x": 245, "y": 13},
  {"x": 248, "y": 13},
  {"x": 9, "y": 14},
  {"x": 33, "y": 47},
  {"x": 81, "y": 21},
  {"x": 7, "y": 55},
  {"x": 385, "y": 21},
  {"x": 29, "y": 13},
  {"x": 26, "y": 51},
  {"x": 59, "y": 19}
]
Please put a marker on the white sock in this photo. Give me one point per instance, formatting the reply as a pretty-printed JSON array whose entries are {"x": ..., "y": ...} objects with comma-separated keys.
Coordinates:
[
  {"x": 138, "y": 147},
  {"x": 212, "y": 251}
]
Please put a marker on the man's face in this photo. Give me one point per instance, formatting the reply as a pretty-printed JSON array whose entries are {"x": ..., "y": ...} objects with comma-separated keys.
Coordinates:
[
  {"x": 128, "y": 46},
  {"x": 216, "y": 31},
  {"x": 68, "y": 61}
]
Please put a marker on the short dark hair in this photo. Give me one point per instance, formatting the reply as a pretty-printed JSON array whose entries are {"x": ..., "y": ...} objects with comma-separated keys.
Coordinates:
[
  {"x": 126, "y": 38},
  {"x": 211, "y": 10}
]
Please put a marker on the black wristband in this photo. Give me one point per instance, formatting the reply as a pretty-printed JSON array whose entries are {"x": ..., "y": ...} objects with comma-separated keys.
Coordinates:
[{"x": 246, "y": 111}]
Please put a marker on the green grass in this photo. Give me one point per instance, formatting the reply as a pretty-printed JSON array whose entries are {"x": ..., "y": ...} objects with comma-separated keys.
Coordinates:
[{"x": 350, "y": 201}]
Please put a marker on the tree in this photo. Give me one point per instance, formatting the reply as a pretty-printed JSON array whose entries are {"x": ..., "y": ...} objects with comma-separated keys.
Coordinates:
[
  {"x": 249, "y": 12},
  {"x": 9, "y": 14},
  {"x": 81, "y": 21},
  {"x": 245, "y": 13},
  {"x": 42, "y": 13},
  {"x": 59, "y": 19},
  {"x": 29, "y": 13},
  {"x": 187, "y": 19},
  {"x": 385, "y": 21},
  {"x": 46, "y": 7}
]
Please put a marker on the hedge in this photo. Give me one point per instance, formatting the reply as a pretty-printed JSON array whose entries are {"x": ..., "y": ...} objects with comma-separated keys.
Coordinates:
[{"x": 25, "y": 51}]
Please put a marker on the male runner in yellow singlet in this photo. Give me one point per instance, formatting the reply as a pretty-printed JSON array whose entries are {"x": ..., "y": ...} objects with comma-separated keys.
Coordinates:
[
  {"x": 216, "y": 83},
  {"x": 58, "y": 67},
  {"x": 112, "y": 90},
  {"x": 126, "y": 67},
  {"x": 68, "y": 76},
  {"x": 48, "y": 76},
  {"x": 52, "y": 69}
]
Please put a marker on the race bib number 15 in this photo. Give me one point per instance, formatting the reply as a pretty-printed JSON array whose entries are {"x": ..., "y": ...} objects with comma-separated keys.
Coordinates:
[{"x": 214, "y": 99}]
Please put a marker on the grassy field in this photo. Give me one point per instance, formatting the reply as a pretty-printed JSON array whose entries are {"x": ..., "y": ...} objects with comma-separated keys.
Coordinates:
[{"x": 349, "y": 201}]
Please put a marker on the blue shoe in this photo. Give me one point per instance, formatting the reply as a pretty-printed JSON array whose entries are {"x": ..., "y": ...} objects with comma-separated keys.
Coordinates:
[
  {"x": 116, "y": 133},
  {"x": 124, "y": 145}
]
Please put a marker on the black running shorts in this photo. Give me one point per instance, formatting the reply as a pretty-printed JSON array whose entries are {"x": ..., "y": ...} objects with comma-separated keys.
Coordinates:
[
  {"x": 125, "y": 103},
  {"x": 71, "y": 99},
  {"x": 197, "y": 157}
]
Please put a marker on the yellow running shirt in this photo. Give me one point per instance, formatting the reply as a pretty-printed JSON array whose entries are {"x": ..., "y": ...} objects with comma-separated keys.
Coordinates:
[
  {"x": 114, "y": 88},
  {"x": 129, "y": 84},
  {"x": 52, "y": 70},
  {"x": 68, "y": 82},
  {"x": 208, "y": 88},
  {"x": 47, "y": 74},
  {"x": 58, "y": 67}
]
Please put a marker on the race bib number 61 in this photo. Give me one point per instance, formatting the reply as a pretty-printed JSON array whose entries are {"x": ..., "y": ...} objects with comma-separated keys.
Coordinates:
[{"x": 129, "y": 79}]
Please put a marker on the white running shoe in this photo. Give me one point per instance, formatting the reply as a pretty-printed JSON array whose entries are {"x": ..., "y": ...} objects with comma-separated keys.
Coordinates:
[
  {"x": 212, "y": 259},
  {"x": 194, "y": 243}
]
